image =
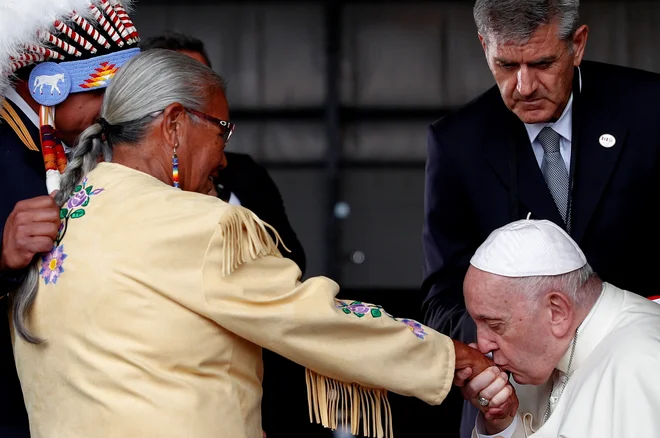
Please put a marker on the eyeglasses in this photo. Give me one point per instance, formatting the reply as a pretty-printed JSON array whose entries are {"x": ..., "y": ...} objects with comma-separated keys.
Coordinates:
[{"x": 226, "y": 128}]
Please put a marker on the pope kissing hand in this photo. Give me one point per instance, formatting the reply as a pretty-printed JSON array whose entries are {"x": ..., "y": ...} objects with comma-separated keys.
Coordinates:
[{"x": 491, "y": 393}]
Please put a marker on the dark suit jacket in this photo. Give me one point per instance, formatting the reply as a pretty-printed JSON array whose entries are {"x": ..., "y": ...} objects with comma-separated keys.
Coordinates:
[
  {"x": 257, "y": 191},
  {"x": 22, "y": 176},
  {"x": 473, "y": 153},
  {"x": 22, "y": 172}
]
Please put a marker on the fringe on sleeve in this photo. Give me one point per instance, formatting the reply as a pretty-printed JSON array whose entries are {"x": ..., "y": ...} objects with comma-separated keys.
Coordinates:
[
  {"x": 245, "y": 237},
  {"x": 347, "y": 405}
]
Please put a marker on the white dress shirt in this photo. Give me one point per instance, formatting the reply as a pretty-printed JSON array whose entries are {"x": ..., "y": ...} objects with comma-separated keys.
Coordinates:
[
  {"x": 17, "y": 100},
  {"x": 563, "y": 126},
  {"x": 22, "y": 105},
  {"x": 233, "y": 199}
]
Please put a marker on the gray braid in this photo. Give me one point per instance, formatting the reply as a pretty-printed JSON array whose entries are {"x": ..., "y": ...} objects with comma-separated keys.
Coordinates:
[
  {"x": 22, "y": 300},
  {"x": 84, "y": 158},
  {"x": 144, "y": 86}
]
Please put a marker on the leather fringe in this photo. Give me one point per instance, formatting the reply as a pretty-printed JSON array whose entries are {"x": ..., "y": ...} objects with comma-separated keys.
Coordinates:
[
  {"x": 337, "y": 404},
  {"x": 245, "y": 237}
]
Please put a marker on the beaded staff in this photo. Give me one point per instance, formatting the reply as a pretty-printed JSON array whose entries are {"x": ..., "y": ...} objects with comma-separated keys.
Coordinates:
[{"x": 52, "y": 149}]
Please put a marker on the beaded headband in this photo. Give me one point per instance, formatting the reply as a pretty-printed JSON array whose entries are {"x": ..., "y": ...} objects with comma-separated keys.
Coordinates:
[{"x": 51, "y": 83}]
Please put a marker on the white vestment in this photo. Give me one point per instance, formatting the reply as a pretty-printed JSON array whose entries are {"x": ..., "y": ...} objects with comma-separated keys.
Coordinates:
[{"x": 613, "y": 390}]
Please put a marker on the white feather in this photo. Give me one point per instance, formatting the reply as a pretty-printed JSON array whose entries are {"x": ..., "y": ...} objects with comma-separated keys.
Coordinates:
[{"x": 21, "y": 20}]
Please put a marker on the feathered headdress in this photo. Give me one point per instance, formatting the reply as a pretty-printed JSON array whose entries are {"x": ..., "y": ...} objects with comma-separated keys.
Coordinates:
[
  {"x": 34, "y": 31},
  {"x": 72, "y": 45}
]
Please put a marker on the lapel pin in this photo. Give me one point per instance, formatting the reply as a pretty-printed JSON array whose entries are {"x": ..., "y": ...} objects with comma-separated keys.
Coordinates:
[{"x": 607, "y": 140}]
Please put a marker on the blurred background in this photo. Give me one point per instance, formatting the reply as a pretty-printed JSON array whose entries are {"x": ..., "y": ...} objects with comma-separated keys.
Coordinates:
[{"x": 334, "y": 99}]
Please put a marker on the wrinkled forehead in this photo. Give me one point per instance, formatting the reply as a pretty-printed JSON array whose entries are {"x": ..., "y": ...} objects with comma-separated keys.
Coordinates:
[{"x": 486, "y": 293}]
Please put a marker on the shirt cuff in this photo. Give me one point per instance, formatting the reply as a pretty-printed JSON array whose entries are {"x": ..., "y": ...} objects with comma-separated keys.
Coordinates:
[
  {"x": 10, "y": 280},
  {"x": 480, "y": 428}
]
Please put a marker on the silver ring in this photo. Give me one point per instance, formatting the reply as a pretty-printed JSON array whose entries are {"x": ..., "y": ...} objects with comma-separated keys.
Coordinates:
[{"x": 482, "y": 401}]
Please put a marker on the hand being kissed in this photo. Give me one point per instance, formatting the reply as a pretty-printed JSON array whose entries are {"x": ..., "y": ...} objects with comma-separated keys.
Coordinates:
[{"x": 493, "y": 385}]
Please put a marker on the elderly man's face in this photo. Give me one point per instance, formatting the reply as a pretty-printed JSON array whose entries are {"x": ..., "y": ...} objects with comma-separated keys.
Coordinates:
[
  {"x": 77, "y": 113},
  {"x": 519, "y": 336},
  {"x": 535, "y": 79}
]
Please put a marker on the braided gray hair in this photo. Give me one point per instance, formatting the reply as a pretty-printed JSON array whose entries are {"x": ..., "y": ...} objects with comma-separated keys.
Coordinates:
[{"x": 145, "y": 85}]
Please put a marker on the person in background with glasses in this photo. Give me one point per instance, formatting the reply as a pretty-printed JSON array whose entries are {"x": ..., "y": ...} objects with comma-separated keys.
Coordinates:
[{"x": 148, "y": 317}]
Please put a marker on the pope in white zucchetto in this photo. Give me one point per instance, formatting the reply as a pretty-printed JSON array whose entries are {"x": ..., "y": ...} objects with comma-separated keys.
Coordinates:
[{"x": 584, "y": 355}]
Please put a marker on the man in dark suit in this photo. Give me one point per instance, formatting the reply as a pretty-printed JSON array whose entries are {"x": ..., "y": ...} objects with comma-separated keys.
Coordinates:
[
  {"x": 20, "y": 240},
  {"x": 560, "y": 139},
  {"x": 245, "y": 182}
]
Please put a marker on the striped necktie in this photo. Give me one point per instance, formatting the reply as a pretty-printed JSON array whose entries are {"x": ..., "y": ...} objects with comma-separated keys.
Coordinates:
[{"x": 554, "y": 170}]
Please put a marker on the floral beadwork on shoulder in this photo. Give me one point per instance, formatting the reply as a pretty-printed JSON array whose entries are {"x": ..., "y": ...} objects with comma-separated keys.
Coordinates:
[
  {"x": 75, "y": 206},
  {"x": 360, "y": 309},
  {"x": 51, "y": 263}
]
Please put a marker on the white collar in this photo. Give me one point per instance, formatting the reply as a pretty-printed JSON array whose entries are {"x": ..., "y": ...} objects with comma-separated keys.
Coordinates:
[
  {"x": 17, "y": 100},
  {"x": 594, "y": 327},
  {"x": 563, "y": 126}
]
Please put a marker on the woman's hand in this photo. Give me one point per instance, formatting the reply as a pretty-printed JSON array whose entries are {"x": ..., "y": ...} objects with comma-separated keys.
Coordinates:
[{"x": 491, "y": 385}]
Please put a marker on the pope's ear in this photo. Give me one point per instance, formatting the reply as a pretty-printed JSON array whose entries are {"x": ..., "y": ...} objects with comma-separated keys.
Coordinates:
[{"x": 561, "y": 312}]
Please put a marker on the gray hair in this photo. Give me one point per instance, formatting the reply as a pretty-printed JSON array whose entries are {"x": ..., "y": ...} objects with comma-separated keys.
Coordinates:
[
  {"x": 516, "y": 20},
  {"x": 581, "y": 286},
  {"x": 144, "y": 86}
]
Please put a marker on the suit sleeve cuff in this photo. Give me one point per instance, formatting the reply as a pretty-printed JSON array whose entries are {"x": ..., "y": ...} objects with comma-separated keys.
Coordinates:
[{"x": 10, "y": 280}]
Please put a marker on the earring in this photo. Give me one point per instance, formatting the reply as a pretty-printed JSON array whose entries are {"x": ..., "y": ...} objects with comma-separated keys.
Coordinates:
[{"x": 175, "y": 167}]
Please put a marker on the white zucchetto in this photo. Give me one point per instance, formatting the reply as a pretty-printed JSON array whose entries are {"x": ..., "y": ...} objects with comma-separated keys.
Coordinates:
[{"x": 529, "y": 248}]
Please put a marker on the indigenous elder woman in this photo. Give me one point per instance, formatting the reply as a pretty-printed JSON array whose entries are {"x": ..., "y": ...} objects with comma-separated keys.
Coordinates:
[{"x": 148, "y": 317}]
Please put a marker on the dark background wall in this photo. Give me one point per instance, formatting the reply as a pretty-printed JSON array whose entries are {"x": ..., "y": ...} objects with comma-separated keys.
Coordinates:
[{"x": 334, "y": 99}]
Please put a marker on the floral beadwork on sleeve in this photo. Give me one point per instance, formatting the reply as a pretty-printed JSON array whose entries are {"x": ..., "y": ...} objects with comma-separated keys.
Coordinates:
[
  {"x": 360, "y": 309},
  {"x": 416, "y": 328},
  {"x": 51, "y": 263}
]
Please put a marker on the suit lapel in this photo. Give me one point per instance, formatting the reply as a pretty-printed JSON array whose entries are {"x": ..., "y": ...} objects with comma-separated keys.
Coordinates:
[
  {"x": 234, "y": 181},
  {"x": 533, "y": 192},
  {"x": 33, "y": 130},
  {"x": 594, "y": 163}
]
